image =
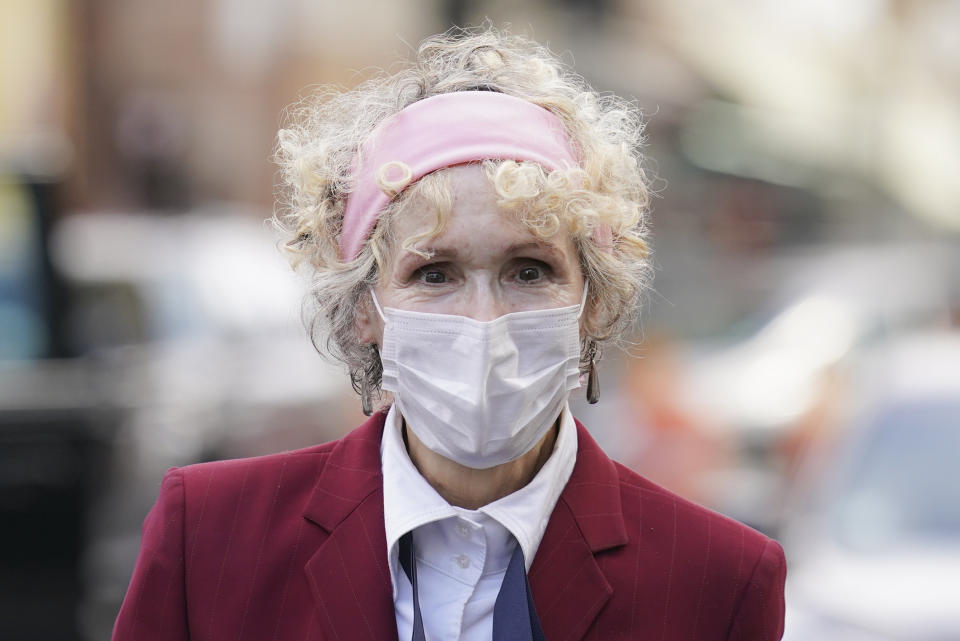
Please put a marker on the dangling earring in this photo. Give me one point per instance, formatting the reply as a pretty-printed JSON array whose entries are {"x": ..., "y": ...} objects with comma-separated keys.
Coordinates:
[
  {"x": 365, "y": 403},
  {"x": 593, "y": 382},
  {"x": 371, "y": 370}
]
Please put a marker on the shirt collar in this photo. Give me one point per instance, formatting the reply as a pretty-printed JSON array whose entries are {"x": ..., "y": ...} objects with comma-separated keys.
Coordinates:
[{"x": 409, "y": 501}]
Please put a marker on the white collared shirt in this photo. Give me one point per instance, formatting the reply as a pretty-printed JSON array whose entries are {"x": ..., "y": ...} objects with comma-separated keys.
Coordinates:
[{"x": 462, "y": 554}]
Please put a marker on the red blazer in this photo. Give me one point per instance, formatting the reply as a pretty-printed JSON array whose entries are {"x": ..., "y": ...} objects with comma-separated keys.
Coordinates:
[{"x": 292, "y": 547}]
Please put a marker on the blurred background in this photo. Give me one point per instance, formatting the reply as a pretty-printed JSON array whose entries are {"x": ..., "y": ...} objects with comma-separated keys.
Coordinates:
[{"x": 798, "y": 366}]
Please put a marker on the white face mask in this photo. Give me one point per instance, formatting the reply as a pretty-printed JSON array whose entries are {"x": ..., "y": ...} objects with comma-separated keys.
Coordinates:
[{"x": 481, "y": 393}]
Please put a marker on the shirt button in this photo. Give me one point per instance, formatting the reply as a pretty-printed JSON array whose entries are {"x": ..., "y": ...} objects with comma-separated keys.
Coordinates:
[
  {"x": 463, "y": 530},
  {"x": 463, "y": 561}
]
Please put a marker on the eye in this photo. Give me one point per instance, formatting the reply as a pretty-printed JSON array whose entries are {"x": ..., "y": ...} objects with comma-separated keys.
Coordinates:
[
  {"x": 432, "y": 276},
  {"x": 531, "y": 273}
]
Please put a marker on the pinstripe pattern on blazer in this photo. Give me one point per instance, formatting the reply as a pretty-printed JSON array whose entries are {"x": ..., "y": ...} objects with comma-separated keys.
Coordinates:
[{"x": 292, "y": 547}]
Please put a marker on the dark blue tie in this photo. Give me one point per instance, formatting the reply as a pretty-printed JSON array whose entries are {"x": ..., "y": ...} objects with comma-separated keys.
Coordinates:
[{"x": 514, "y": 615}]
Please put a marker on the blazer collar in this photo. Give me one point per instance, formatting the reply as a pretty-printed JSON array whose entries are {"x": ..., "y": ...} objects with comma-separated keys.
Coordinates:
[
  {"x": 569, "y": 588},
  {"x": 352, "y": 472},
  {"x": 593, "y": 495},
  {"x": 349, "y": 574}
]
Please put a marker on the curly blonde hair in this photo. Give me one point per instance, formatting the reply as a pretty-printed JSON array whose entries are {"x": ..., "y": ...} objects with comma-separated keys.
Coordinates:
[{"x": 609, "y": 190}]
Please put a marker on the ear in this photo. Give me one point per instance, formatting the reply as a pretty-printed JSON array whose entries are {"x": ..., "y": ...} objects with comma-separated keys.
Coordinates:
[{"x": 367, "y": 323}]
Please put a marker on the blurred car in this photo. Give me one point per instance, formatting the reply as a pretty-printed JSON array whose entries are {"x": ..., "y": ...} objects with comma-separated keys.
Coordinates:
[
  {"x": 831, "y": 301},
  {"x": 196, "y": 320},
  {"x": 775, "y": 375},
  {"x": 873, "y": 532}
]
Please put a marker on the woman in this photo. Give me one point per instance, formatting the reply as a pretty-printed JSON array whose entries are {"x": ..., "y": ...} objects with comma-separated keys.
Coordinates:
[{"x": 474, "y": 226}]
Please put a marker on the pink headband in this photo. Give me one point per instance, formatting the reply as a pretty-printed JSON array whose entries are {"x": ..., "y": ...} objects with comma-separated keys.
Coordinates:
[{"x": 442, "y": 131}]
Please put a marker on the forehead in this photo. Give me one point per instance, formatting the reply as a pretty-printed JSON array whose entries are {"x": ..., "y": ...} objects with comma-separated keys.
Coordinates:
[{"x": 473, "y": 221}]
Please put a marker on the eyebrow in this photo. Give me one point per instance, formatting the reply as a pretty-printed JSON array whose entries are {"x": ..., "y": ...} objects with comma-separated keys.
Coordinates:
[
  {"x": 518, "y": 248},
  {"x": 452, "y": 253}
]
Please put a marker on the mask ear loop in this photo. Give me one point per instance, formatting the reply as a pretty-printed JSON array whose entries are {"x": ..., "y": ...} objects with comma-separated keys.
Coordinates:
[
  {"x": 583, "y": 299},
  {"x": 376, "y": 304}
]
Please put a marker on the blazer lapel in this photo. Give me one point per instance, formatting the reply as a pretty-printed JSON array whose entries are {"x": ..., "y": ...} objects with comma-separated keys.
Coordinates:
[
  {"x": 348, "y": 573},
  {"x": 569, "y": 587}
]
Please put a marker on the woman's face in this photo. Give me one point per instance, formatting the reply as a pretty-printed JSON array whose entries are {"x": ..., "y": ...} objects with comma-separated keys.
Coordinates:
[{"x": 485, "y": 263}]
